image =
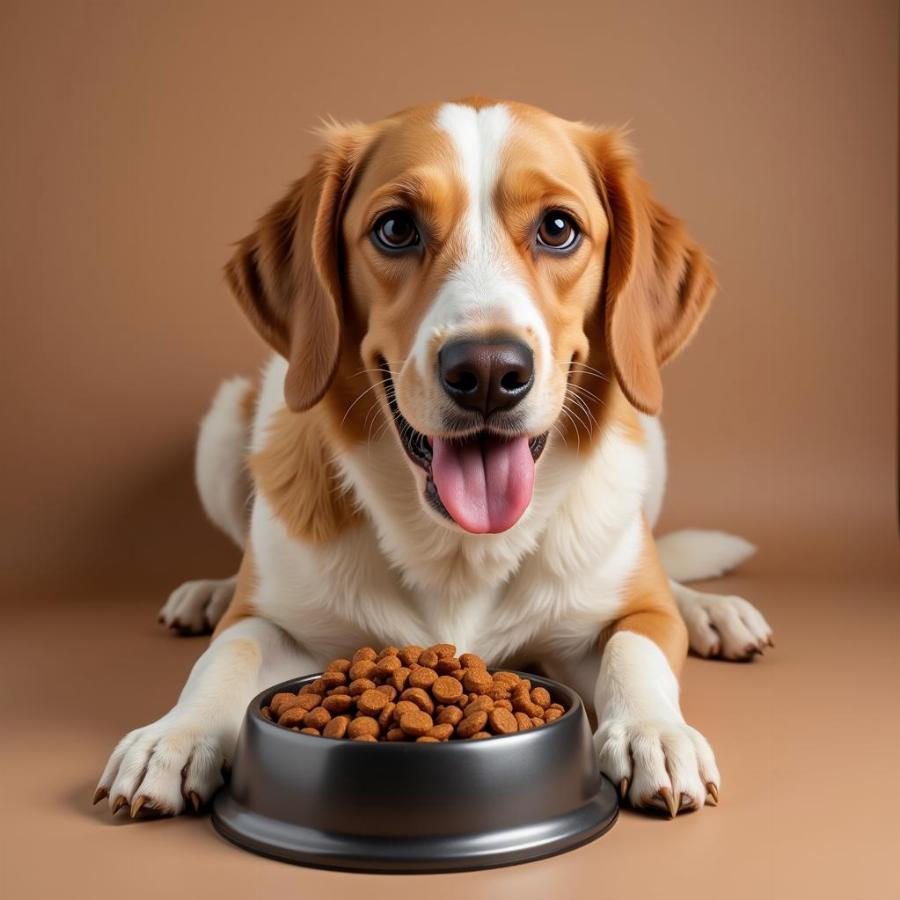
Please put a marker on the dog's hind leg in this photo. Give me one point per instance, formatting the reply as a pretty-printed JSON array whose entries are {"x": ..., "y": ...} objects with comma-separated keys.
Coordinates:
[
  {"x": 722, "y": 626},
  {"x": 220, "y": 464},
  {"x": 719, "y": 625},
  {"x": 195, "y": 607},
  {"x": 223, "y": 483}
]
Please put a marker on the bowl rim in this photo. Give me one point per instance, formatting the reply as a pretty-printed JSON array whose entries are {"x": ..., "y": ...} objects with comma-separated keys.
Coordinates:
[{"x": 575, "y": 704}]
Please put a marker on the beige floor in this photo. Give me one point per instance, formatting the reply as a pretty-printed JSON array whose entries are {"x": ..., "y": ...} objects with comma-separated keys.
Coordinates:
[{"x": 806, "y": 738}]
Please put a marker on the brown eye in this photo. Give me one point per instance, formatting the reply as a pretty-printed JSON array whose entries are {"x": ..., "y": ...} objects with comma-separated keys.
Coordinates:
[
  {"x": 396, "y": 230},
  {"x": 557, "y": 231}
]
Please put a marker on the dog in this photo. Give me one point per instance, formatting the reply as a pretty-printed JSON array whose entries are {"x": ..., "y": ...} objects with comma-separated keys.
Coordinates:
[{"x": 456, "y": 439}]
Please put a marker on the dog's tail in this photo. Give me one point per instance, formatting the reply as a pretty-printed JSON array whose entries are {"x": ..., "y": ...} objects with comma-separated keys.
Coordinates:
[
  {"x": 220, "y": 464},
  {"x": 694, "y": 554}
]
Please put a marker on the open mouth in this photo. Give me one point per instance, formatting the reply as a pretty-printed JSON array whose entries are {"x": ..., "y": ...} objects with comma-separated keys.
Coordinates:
[{"x": 483, "y": 481}]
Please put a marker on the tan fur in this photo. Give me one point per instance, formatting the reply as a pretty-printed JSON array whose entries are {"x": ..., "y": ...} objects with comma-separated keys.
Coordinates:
[
  {"x": 286, "y": 275},
  {"x": 658, "y": 283},
  {"x": 248, "y": 402},
  {"x": 391, "y": 296},
  {"x": 620, "y": 414},
  {"x": 650, "y": 609},
  {"x": 241, "y": 605},
  {"x": 295, "y": 473}
]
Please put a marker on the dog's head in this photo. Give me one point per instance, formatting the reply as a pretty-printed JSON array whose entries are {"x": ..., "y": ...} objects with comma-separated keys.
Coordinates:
[{"x": 485, "y": 274}]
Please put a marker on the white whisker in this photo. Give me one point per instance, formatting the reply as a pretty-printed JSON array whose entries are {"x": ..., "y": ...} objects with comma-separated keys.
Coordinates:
[
  {"x": 581, "y": 421},
  {"x": 584, "y": 390},
  {"x": 571, "y": 419},
  {"x": 363, "y": 394}
]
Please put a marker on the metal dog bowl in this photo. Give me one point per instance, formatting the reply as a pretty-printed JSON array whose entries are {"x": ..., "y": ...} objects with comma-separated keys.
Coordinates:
[{"x": 404, "y": 807}]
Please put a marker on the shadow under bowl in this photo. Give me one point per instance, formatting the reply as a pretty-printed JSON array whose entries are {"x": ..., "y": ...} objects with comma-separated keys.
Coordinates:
[{"x": 408, "y": 807}]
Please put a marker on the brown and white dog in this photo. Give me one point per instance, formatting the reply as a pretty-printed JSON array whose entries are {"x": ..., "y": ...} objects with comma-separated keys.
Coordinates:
[{"x": 456, "y": 441}]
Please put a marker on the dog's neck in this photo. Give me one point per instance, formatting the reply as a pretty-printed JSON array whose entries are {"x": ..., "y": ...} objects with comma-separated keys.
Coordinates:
[{"x": 440, "y": 560}]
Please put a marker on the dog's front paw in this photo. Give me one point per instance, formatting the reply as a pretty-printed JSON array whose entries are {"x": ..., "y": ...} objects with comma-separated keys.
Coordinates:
[
  {"x": 665, "y": 765},
  {"x": 162, "y": 768},
  {"x": 195, "y": 607}
]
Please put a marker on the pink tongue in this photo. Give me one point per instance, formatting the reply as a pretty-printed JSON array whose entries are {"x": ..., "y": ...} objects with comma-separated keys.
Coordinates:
[{"x": 484, "y": 484}]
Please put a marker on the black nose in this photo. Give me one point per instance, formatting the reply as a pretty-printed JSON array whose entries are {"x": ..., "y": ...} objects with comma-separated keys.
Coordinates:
[{"x": 486, "y": 376}]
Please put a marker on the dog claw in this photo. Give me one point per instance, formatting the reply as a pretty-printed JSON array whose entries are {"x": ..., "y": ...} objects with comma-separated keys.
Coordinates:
[
  {"x": 713, "y": 793},
  {"x": 118, "y": 804},
  {"x": 99, "y": 794},
  {"x": 770, "y": 642},
  {"x": 666, "y": 796},
  {"x": 623, "y": 788},
  {"x": 196, "y": 802},
  {"x": 136, "y": 805}
]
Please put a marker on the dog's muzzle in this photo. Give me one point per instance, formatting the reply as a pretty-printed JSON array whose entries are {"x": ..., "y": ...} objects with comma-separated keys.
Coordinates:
[{"x": 484, "y": 479}]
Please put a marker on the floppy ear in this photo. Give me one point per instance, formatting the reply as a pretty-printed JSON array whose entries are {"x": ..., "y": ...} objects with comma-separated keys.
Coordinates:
[
  {"x": 658, "y": 282},
  {"x": 286, "y": 276}
]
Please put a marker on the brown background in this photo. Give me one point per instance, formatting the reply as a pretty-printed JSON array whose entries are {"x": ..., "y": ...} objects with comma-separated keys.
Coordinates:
[{"x": 141, "y": 139}]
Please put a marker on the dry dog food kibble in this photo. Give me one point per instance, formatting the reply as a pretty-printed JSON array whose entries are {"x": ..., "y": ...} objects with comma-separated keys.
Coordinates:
[{"x": 424, "y": 694}]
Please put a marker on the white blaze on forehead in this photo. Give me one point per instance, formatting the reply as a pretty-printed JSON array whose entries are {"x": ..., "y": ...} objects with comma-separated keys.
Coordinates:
[
  {"x": 478, "y": 136},
  {"x": 484, "y": 287}
]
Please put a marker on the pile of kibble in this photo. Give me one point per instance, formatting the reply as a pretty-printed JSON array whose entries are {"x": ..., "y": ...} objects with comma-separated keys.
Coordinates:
[{"x": 423, "y": 694}]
